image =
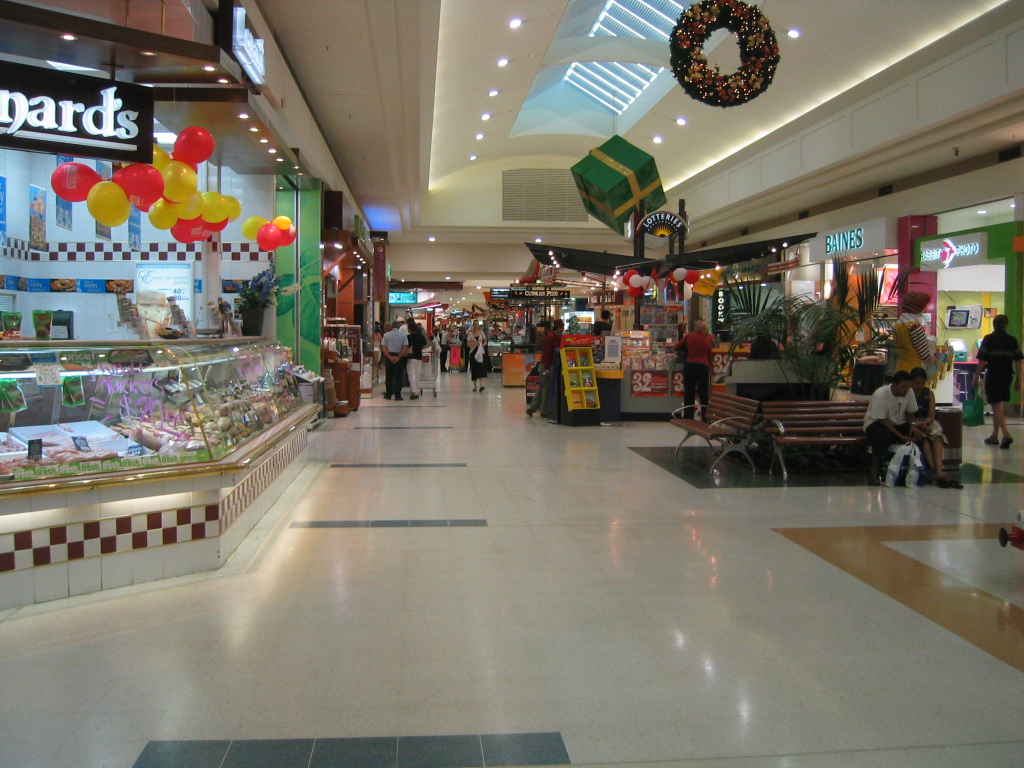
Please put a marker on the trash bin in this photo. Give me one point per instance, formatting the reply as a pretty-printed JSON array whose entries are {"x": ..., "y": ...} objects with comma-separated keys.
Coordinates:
[{"x": 952, "y": 422}]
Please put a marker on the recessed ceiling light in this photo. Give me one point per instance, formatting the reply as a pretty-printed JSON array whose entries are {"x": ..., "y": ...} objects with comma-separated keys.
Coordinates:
[
  {"x": 264, "y": 141},
  {"x": 148, "y": 53},
  {"x": 296, "y": 167},
  {"x": 254, "y": 129},
  {"x": 272, "y": 151},
  {"x": 68, "y": 37},
  {"x": 982, "y": 212},
  {"x": 472, "y": 157},
  {"x": 209, "y": 68},
  {"x": 478, "y": 287},
  {"x": 493, "y": 93},
  {"x": 280, "y": 159},
  {"x": 539, "y": 240},
  {"x": 479, "y": 136},
  {"x": 485, "y": 116},
  {"x": 431, "y": 238},
  {"x": 242, "y": 116},
  {"x": 447, "y": 277},
  {"x": 223, "y": 80},
  {"x": 680, "y": 121},
  {"x": 1013, "y": 205},
  {"x": 657, "y": 139},
  {"x": 515, "y": 23},
  {"x": 794, "y": 33},
  {"x": 502, "y": 62}
]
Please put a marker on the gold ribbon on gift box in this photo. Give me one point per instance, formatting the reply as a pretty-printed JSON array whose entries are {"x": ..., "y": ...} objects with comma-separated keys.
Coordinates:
[{"x": 634, "y": 186}]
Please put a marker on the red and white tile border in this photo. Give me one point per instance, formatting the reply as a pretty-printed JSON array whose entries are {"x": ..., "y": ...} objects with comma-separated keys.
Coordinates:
[
  {"x": 27, "y": 549},
  {"x": 18, "y": 249}
]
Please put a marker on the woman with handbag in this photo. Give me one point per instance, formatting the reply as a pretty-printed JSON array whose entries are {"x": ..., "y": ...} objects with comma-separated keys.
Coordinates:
[
  {"x": 476, "y": 343},
  {"x": 694, "y": 352}
]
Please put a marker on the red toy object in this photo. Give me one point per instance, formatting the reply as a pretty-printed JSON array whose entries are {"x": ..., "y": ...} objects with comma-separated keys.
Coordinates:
[{"x": 1014, "y": 537}]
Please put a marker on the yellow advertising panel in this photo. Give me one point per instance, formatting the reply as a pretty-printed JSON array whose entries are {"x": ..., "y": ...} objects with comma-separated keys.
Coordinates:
[{"x": 708, "y": 282}]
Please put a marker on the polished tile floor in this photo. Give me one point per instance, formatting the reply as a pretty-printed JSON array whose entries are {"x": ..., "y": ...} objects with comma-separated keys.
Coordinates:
[{"x": 596, "y": 596}]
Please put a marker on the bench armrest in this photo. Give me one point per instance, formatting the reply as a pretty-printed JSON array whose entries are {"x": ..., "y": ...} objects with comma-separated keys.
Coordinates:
[
  {"x": 727, "y": 418},
  {"x": 779, "y": 424},
  {"x": 677, "y": 413}
]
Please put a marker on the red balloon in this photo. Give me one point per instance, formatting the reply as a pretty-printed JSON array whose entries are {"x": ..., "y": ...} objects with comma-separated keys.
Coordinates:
[
  {"x": 289, "y": 236},
  {"x": 193, "y": 145},
  {"x": 143, "y": 184},
  {"x": 215, "y": 226},
  {"x": 269, "y": 237},
  {"x": 634, "y": 292},
  {"x": 629, "y": 274},
  {"x": 188, "y": 230},
  {"x": 72, "y": 181},
  {"x": 692, "y": 277}
]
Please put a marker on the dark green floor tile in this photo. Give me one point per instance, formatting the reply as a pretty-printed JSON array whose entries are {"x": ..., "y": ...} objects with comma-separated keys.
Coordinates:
[
  {"x": 183, "y": 754},
  {"x": 428, "y": 523},
  {"x": 269, "y": 753},
  {"x": 355, "y": 753},
  {"x": 466, "y": 523},
  {"x": 524, "y": 749},
  {"x": 439, "y": 752}
]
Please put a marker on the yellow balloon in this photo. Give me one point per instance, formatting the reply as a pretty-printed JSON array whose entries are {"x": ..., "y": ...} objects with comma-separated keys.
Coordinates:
[
  {"x": 108, "y": 204},
  {"x": 282, "y": 222},
  {"x": 252, "y": 225},
  {"x": 234, "y": 207},
  {"x": 179, "y": 181},
  {"x": 162, "y": 215},
  {"x": 192, "y": 208},
  {"x": 217, "y": 207},
  {"x": 160, "y": 158}
]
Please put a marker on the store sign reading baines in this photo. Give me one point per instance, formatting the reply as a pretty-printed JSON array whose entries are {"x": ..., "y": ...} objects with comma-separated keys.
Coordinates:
[
  {"x": 870, "y": 237},
  {"x": 950, "y": 252},
  {"x": 72, "y": 114}
]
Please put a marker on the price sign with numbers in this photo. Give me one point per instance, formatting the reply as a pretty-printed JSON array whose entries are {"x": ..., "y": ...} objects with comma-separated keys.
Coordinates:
[
  {"x": 47, "y": 374},
  {"x": 677, "y": 384},
  {"x": 649, "y": 383}
]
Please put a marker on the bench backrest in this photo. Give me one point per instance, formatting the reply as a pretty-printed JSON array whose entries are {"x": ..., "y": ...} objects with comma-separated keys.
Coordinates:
[
  {"x": 740, "y": 411},
  {"x": 839, "y": 418}
]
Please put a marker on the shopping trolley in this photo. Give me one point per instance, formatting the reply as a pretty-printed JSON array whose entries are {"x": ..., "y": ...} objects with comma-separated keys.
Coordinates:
[{"x": 430, "y": 372}]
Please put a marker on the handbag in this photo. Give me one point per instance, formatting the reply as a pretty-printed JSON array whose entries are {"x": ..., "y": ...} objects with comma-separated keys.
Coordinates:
[
  {"x": 974, "y": 410},
  {"x": 905, "y": 467}
]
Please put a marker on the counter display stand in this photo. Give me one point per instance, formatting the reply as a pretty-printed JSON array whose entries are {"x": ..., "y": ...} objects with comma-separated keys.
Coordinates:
[{"x": 125, "y": 462}]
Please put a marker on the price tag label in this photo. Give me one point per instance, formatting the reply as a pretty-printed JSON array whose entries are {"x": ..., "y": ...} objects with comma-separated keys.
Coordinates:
[
  {"x": 135, "y": 450},
  {"x": 35, "y": 449},
  {"x": 47, "y": 374},
  {"x": 81, "y": 443}
]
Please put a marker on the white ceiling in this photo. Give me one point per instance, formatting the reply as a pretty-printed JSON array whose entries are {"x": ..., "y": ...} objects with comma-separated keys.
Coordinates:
[{"x": 399, "y": 87}]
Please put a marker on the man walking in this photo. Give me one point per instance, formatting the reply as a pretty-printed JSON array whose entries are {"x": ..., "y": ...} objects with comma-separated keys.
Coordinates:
[
  {"x": 395, "y": 347},
  {"x": 446, "y": 347}
]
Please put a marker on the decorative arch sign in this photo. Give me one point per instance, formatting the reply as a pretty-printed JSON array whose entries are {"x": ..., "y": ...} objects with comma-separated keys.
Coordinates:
[
  {"x": 662, "y": 224},
  {"x": 64, "y": 113}
]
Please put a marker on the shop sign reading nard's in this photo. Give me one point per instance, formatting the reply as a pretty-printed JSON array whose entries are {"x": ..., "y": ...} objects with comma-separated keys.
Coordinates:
[
  {"x": 959, "y": 251},
  {"x": 72, "y": 114}
]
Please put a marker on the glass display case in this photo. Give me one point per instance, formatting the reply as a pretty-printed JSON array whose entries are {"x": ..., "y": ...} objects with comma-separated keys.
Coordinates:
[{"x": 71, "y": 408}]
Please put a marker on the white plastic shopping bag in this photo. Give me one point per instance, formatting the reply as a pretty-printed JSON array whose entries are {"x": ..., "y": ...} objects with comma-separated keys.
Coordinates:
[{"x": 905, "y": 467}]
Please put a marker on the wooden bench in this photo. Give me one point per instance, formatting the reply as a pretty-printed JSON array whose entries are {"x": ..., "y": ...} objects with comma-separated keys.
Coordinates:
[
  {"x": 810, "y": 422},
  {"x": 726, "y": 427}
]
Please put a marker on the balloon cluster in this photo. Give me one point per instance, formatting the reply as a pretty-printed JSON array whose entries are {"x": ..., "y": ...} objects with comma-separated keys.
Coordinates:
[
  {"x": 269, "y": 235},
  {"x": 636, "y": 284},
  {"x": 166, "y": 189}
]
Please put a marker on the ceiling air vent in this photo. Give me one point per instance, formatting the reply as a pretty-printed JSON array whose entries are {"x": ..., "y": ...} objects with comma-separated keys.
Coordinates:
[{"x": 540, "y": 194}]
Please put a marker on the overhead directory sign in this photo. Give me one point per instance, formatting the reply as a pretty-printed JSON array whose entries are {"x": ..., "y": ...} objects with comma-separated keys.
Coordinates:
[
  {"x": 402, "y": 297},
  {"x": 951, "y": 252},
  {"x": 861, "y": 239},
  {"x": 43, "y": 110}
]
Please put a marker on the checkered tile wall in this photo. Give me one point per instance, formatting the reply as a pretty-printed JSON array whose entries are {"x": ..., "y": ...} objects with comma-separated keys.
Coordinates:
[
  {"x": 18, "y": 249},
  {"x": 61, "y": 543}
]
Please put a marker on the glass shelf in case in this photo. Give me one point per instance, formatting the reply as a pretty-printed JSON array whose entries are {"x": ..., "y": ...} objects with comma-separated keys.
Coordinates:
[{"x": 71, "y": 408}]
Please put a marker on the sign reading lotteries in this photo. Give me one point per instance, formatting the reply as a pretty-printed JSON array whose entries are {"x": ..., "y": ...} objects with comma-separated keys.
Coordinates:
[
  {"x": 72, "y": 114},
  {"x": 662, "y": 224}
]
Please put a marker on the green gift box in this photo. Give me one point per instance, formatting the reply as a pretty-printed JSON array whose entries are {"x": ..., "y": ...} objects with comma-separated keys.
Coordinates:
[{"x": 614, "y": 178}]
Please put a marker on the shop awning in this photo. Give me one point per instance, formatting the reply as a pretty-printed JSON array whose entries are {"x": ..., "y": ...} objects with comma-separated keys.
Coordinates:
[
  {"x": 736, "y": 254},
  {"x": 595, "y": 262}
]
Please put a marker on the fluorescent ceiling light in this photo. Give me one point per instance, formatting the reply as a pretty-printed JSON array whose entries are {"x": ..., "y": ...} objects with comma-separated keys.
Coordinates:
[
  {"x": 70, "y": 67},
  {"x": 982, "y": 212}
]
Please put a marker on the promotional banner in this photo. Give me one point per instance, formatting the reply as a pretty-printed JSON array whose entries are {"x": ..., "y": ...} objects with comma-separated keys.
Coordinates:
[
  {"x": 63, "y": 209},
  {"x": 135, "y": 229},
  {"x": 154, "y": 284},
  {"x": 3, "y": 211},
  {"x": 36, "y": 218},
  {"x": 708, "y": 282},
  {"x": 648, "y": 383},
  {"x": 49, "y": 111}
]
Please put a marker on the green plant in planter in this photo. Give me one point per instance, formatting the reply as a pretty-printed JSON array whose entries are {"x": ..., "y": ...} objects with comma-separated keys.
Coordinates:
[
  {"x": 818, "y": 340},
  {"x": 259, "y": 291}
]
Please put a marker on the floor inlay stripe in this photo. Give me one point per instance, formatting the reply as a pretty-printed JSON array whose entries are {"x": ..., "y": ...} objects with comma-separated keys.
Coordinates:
[
  {"x": 405, "y": 427},
  {"x": 457, "y": 523},
  {"x": 421, "y": 464},
  {"x": 980, "y": 618},
  {"x": 504, "y": 749}
]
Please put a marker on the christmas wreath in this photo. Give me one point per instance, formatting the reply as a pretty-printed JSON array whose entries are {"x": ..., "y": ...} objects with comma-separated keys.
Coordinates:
[{"x": 759, "y": 52}]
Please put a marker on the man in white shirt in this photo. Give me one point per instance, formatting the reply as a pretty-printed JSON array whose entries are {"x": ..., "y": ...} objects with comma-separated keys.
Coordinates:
[
  {"x": 890, "y": 419},
  {"x": 395, "y": 347},
  {"x": 445, "y": 340}
]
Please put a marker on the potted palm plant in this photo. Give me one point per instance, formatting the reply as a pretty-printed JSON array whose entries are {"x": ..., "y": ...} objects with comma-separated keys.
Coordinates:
[{"x": 256, "y": 295}]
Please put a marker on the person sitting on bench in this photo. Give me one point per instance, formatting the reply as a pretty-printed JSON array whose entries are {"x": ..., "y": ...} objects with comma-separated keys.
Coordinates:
[{"x": 890, "y": 418}]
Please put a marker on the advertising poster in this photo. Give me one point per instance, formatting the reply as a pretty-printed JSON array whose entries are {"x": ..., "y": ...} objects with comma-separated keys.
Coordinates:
[
  {"x": 105, "y": 170},
  {"x": 135, "y": 229},
  {"x": 708, "y": 282},
  {"x": 62, "y": 209},
  {"x": 3, "y": 212},
  {"x": 36, "y": 218},
  {"x": 154, "y": 284},
  {"x": 678, "y": 384},
  {"x": 648, "y": 383}
]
